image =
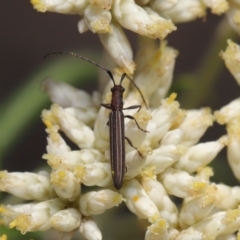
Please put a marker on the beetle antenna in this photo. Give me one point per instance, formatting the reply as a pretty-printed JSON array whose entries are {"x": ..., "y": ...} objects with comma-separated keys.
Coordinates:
[
  {"x": 85, "y": 59},
  {"x": 140, "y": 92},
  {"x": 105, "y": 69}
]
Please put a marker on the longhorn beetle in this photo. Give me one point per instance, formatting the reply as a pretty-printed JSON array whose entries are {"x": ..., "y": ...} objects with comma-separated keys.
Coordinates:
[{"x": 116, "y": 123}]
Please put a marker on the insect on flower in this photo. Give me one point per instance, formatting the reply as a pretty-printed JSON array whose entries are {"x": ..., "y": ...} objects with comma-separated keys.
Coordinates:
[{"x": 116, "y": 123}]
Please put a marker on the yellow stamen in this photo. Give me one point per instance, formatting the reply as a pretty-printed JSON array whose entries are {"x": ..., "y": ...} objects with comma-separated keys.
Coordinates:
[
  {"x": 38, "y": 5},
  {"x": 135, "y": 198}
]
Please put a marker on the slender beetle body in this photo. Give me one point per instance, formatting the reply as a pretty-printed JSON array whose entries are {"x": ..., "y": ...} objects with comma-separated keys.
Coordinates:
[
  {"x": 116, "y": 123},
  {"x": 117, "y": 147},
  {"x": 117, "y": 132},
  {"x": 117, "y": 135}
]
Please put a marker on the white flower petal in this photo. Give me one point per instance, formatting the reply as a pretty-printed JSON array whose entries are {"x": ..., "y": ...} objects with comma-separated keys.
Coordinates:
[
  {"x": 28, "y": 186},
  {"x": 183, "y": 11},
  {"x": 118, "y": 47},
  {"x": 182, "y": 184},
  {"x": 66, "y": 185},
  {"x": 93, "y": 203},
  {"x": 196, "y": 209},
  {"x": 66, "y": 220},
  {"x": 231, "y": 57},
  {"x": 158, "y": 230},
  {"x": 60, "y": 6},
  {"x": 200, "y": 155},
  {"x": 90, "y": 230},
  {"x": 159, "y": 196},
  {"x": 97, "y": 19},
  {"x": 228, "y": 112},
  {"x": 138, "y": 202},
  {"x": 69, "y": 160},
  {"x": 137, "y": 19}
]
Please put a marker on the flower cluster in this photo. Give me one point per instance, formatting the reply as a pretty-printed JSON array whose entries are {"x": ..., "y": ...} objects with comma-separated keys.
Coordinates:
[
  {"x": 173, "y": 162},
  {"x": 167, "y": 163},
  {"x": 150, "y": 18}
]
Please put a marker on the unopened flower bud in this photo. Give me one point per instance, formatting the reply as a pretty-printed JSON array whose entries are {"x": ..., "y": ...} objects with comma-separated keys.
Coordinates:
[
  {"x": 66, "y": 220},
  {"x": 138, "y": 202},
  {"x": 65, "y": 184},
  {"x": 98, "y": 202},
  {"x": 89, "y": 229},
  {"x": 28, "y": 186}
]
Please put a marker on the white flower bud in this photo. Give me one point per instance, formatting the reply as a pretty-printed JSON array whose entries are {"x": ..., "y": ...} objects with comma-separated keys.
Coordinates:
[
  {"x": 233, "y": 149},
  {"x": 66, "y": 220},
  {"x": 189, "y": 233},
  {"x": 181, "y": 184},
  {"x": 134, "y": 164},
  {"x": 164, "y": 156},
  {"x": 219, "y": 224},
  {"x": 33, "y": 218},
  {"x": 66, "y": 95},
  {"x": 231, "y": 57},
  {"x": 166, "y": 79},
  {"x": 93, "y": 203},
  {"x": 196, "y": 209},
  {"x": 137, "y": 19},
  {"x": 28, "y": 186},
  {"x": 227, "y": 197},
  {"x": 118, "y": 47},
  {"x": 98, "y": 19},
  {"x": 56, "y": 144},
  {"x": 158, "y": 230},
  {"x": 101, "y": 130},
  {"x": 162, "y": 118},
  {"x": 161, "y": 6},
  {"x": 88, "y": 116},
  {"x": 66, "y": 185},
  {"x": 82, "y": 26},
  {"x": 98, "y": 174},
  {"x": 200, "y": 155},
  {"x": 158, "y": 70},
  {"x": 158, "y": 195},
  {"x": 10, "y": 212},
  {"x": 217, "y": 6},
  {"x": 104, "y": 4},
  {"x": 173, "y": 233},
  {"x": 89, "y": 229},
  {"x": 183, "y": 11},
  {"x": 204, "y": 174},
  {"x": 175, "y": 137},
  {"x": 195, "y": 124},
  {"x": 228, "y": 112},
  {"x": 138, "y": 202},
  {"x": 60, "y": 6},
  {"x": 76, "y": 131},
  {"x": 69, "y": 160}
]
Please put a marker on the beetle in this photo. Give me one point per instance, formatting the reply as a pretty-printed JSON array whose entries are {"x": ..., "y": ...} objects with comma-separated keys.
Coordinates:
[
  {"x": 117, "y": 132},
  {"x": 115, "y": 123}
]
